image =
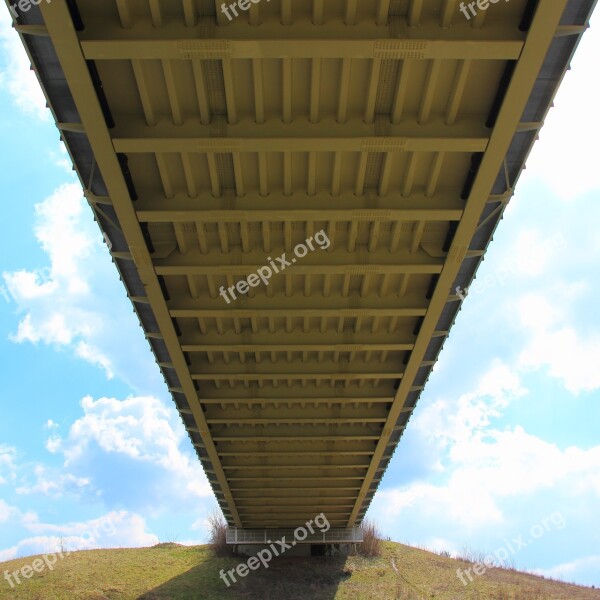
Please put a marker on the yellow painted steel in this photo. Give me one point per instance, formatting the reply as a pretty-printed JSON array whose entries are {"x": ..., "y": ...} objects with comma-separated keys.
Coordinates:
[{"x": 383, "y": 127}]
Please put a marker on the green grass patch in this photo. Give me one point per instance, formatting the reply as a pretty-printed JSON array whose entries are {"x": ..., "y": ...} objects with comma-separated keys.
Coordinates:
[{"x": 174, "y": 572}]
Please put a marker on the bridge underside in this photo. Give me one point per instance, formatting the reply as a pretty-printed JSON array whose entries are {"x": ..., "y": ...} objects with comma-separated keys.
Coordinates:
[{"x": 390, "y": 133}]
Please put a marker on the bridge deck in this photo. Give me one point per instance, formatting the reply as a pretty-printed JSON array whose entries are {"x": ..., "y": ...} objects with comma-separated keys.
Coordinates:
[{"x": 387, "y": 134}]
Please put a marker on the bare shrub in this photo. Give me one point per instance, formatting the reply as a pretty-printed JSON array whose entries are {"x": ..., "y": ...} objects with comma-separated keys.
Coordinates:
[
  {"x": 217, "y": 529},
  {"x": 371, "y": 545}
]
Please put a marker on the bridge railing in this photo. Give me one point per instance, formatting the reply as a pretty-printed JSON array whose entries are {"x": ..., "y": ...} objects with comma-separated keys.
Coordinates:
[{"x": 237, "y": 535}]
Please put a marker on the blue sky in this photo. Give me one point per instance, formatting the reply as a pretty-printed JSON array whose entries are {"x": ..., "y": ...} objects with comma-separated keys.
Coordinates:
[{"x": 505, "y": 442}]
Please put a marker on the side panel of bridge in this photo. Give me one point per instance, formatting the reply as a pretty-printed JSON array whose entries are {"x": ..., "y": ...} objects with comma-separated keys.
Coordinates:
[{"x": 296, "y": 200}]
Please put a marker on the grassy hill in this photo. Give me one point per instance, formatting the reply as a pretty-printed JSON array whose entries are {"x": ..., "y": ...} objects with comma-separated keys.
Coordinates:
[{"x": 170, "y": 571}]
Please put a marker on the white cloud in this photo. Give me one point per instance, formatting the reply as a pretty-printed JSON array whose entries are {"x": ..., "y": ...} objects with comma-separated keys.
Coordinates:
[
  {"x": 574, "y": 570},
  {"x": 77, "y": 303},
  {"x": 483, "y": 466},
  {"x": 535, "y": 253},
  {"x": 455, "y": 421},
  {"x": 12, "y": 514},
  {"x": 467, "y": 506},
  {"x": 138, "y": 443},
  {"x": 457, "y": 427},
  {"x": 61, "y": 158},
  {"x": 54, "y": 485},
  {"x": 573, "y": 171},
  {"x": 115, "y": 529},
  {"x": 200, "y": 524},
  {"x": 570, "y": 357},
  {"x": 61, "y": 236},
  {"x": 95, "y": 357},
  {"x": 7, "y": 512},
  {"x": 30, "y": 285},
  {"x": 15, "y": 74},
  {"x": 438, "y": 544},
  {"x": 53, "y": 444},
  {"x": 139, "y": 428},
  {"x": 553, "y": 343},
  {"x": 55, "y": 298},
  {"x": 7, "y": 464}
]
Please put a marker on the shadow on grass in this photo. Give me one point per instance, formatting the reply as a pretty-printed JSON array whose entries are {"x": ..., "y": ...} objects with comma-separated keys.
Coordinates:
[{"x": 291, "y": 578}]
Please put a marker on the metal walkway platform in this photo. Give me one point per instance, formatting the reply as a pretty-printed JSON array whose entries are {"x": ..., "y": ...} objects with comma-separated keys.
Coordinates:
[{"x": 335, "y": 535}]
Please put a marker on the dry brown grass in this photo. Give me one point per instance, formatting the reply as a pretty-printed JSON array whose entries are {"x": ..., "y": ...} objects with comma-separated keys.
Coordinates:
[
  {"x": 371, "y": 545},
  {"x": 217, "y": 529}
]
